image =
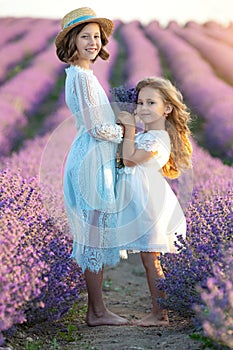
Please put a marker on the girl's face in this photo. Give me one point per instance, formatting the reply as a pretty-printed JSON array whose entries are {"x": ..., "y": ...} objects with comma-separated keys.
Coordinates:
[
  {"x": 150, "y": 105},
  {"x": 88, "y": 43}
]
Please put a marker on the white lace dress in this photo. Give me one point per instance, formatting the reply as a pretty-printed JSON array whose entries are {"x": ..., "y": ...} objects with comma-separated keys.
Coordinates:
[
  {"x": 89, "y": 173},
  {"x": 150, "y": 216}
]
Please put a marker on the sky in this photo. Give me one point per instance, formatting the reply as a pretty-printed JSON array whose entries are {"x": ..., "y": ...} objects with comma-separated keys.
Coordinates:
[{"x": 146, "y": 10}]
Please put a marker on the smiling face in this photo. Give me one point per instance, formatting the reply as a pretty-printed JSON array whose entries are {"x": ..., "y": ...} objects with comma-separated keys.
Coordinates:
[
  {"x": 88, "y": 43},
  {"x": 151, "y": 108}
]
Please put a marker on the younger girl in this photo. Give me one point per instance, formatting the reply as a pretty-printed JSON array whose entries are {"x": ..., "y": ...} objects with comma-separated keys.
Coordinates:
[{"x": 150, "y": 216}]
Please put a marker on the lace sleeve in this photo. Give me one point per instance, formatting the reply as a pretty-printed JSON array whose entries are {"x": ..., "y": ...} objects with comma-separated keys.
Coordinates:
[
  {"x": 97, "y": 113},
  {"x": 150, "y": 143}
]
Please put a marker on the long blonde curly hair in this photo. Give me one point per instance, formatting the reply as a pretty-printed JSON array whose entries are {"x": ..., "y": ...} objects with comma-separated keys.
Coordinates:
[{"x": 176, "y": 125}]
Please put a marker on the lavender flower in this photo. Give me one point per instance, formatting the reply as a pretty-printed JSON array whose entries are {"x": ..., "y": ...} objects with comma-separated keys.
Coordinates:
[
  {"x": 22, "y": 95},
  {"x": 207, "y": 94},
  {"x": 35, "y": 254},
  {"x": 125, "y": 97},
  {"x": 216, "y": 308},
  {"x": 30, "y": 44},
  {"x": 138, "y": 65}
]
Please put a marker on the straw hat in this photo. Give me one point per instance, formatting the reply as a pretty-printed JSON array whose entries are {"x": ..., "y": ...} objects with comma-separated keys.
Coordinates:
[{"x": 82, "y": 15}]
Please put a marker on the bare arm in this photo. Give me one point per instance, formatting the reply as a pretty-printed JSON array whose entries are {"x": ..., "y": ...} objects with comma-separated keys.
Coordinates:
[{"x": 131, "y": 155}]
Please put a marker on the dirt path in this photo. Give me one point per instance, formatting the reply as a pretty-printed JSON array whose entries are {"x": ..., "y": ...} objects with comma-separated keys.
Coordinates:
[{"x": 126, "y": 293}]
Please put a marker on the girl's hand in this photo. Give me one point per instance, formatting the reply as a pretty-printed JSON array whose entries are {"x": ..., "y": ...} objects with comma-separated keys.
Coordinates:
[{"x": 126, "y": 119}]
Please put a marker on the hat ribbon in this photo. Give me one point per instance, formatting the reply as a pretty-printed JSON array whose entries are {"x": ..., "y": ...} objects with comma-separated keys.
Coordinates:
[{"x": 76, "y": 20}]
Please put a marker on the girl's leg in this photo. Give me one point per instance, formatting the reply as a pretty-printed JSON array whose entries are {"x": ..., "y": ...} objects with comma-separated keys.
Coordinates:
[
  {"x": 97, "y": 313},
  {"x": 158, "y": 316}
]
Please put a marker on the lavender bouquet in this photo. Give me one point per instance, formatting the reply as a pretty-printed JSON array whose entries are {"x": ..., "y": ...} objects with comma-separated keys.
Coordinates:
[
  {"x": 125, "y": 100},
  {"x": 125, "y": 97}
]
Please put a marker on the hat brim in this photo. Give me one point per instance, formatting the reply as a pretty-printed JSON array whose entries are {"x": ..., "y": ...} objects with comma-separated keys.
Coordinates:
[{"x": 106, "y": 24}]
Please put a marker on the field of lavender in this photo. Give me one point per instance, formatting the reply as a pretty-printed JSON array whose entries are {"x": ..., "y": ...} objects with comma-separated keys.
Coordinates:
[{"x": 38, "y": 281}]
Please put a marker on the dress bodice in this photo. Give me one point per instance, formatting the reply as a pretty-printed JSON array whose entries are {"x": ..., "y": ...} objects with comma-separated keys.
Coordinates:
[
  {"x": 149, "y": 214},
  {"x": 89, "y": 104},
  {"x": 157, "y": 141}
]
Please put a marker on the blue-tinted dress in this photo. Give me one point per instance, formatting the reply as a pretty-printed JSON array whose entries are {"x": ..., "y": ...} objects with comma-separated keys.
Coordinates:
[
  {"x": 150, "y": 216},
  {"x": 90, "y": 172}
]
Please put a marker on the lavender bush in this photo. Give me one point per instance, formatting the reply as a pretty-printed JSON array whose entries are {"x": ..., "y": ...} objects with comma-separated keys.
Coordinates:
[
  {"x": 12, "y": 29},
  {"x": 23, "y": 94},
  {"x": 207, "y": 94},
  {"x": 216, "y": 310},
  {"x": 218, "y": 53},
  {"x": 36, "y": 231},
  {"x": 38, "y": 279},
  {"x": 138, "y": 65},
  {"x": 23, "y": 273},
  {"x": 219, "y": 33},
  {"x": 209, "y": 226},
  {"x": 30, "y": 44}
]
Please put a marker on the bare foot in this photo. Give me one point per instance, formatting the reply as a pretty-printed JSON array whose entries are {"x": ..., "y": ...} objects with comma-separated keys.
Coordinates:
[
  {"x": 107, "y": 318},
  {"x": 152, "y": 320}
]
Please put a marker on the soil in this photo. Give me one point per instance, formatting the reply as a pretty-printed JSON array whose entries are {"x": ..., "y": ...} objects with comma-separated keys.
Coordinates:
[{"x": 126, "y": 293}]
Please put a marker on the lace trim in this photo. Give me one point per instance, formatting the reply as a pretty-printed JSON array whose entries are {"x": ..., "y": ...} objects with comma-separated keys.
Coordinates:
[
  {"x": 97, "y": 113},
  {"x": 95, "y": 259},
  {"x": 83, "y": 69},
  {"x": 108, "y": 132},
  {"x": 89, "y": 91},
  {"x": 148, "y": 145}
]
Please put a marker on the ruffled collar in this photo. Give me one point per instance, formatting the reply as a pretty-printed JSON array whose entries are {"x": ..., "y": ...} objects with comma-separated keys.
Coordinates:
[{"x": 81, "y": 69}]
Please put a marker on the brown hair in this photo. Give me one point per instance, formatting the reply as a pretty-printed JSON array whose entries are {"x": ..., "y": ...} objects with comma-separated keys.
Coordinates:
[
  {"x": 176, "y": 125},
  {"x": 67, "y": 50}
]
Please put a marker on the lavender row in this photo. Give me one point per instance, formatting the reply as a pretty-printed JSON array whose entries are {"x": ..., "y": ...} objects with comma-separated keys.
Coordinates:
[
  {"x": 38, "y": 280},
  {"x": 209, "y": 237},
  {"x": 22, "y": 95},
  {"x": 218, "y": 54},
  {"x": 35, "y": 40},
  {"x": 103, "y": 69},
  {"x": 217, "y": 300},
  {"x": 142, "y": 56},
  {"x": 207, "y": 94},
  {"x": 214, "y": 30},
  {"x": 35, "y": 260},
  {"x": 14, "y": 28}
]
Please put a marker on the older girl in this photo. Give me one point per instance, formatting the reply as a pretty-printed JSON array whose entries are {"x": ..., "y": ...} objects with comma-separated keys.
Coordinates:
[{"x": 89, "y": 174}]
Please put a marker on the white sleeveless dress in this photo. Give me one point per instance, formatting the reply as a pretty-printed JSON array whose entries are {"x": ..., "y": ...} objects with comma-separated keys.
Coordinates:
[{"x": 149, "y": 214}]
